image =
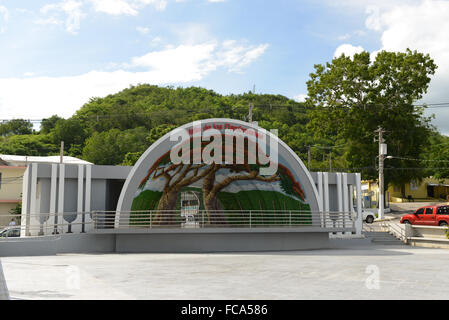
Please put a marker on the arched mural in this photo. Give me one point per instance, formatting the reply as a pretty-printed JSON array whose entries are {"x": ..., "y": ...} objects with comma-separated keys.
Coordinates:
[{"x": 175, "y": 191}]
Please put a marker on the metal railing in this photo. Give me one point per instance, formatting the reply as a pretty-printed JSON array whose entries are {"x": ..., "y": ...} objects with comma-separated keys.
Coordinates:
[
  {"x": 46, "y": 224},
  {"x": 40, "y": 224},
  {"x": 396, "y": 230},
  {"x": 221, "y": 218}
]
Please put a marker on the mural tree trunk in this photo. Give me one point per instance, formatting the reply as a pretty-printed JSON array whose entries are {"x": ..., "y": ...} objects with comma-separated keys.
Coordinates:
[
  {"x": 211, "y": 187},
  {"x": 166, "y": 208},
  {"x": 176, "y": 177}
]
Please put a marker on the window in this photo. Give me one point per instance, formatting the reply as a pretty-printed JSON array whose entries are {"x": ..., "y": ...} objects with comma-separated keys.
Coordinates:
[
  {"x": 413, "y": 185},
  {"x": 420, "y": 211},
  {"x": 443, "y": 210},
  {"x": 429, "y": 210}
]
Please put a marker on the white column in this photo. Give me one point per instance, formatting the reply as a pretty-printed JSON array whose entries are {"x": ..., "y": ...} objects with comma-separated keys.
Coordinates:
[
  {"x": 53, "y": 191},
  {"x": 59, "y": 218},
  {"x": 34, "y": 219},
  {"x": 339, "y": 197},
  {"x": 345, "y": 201},
  {"x": 326, "y": 196},
  {"x": 358, "y": 221},
  {"x": 76, "y": 225},
  {"x": 320, "y": 196},
  {"x": 25, "y": 216},
  {"x": 87, "y": 200}
]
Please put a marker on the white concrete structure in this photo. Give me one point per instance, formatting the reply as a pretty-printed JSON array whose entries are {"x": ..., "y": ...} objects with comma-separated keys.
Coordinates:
[
  {"x": 58, "y": 198},
  {"x": 4, "y": 294}
]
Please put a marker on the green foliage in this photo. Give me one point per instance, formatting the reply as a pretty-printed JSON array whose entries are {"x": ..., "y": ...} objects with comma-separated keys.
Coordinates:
[
  {"x": 111, "y": 147},
  {"x": 131, "y": 158},
  {"x": 16, "y": 127},
  {"x": 47, "y": 125},
  {"x": 17, "y": 209},
  {"x": 354, "y": 96},
  {"x": 70, "y": 131},
  {"x": 437, "y": 151},
  {"x": 158, "y": 132},
  {"x": 28, "y": 145},
  {"x": 161, "y": 109}
]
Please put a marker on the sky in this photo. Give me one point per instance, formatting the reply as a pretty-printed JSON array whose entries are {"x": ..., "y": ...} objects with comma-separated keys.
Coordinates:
[{"x": 57, "y": 54}]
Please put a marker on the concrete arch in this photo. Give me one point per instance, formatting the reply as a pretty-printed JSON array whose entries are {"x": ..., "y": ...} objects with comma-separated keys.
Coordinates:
[{"x": 287, "y": 158}]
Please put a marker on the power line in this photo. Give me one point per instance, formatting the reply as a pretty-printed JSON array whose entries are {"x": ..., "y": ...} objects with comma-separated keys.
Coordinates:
[
  {"x": 414, "y": 159},
  {"x": 295, "y": 106}
]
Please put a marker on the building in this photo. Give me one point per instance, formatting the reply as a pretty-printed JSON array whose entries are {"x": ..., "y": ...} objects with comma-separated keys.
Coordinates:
[
  {"x": 12, "y": 169},
  {"x": 428, "y": 189},
  {"x": 165, "y": 205}
]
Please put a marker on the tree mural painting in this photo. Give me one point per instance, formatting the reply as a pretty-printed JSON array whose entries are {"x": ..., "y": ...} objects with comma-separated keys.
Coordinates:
[{"x": 178, "y": 176}]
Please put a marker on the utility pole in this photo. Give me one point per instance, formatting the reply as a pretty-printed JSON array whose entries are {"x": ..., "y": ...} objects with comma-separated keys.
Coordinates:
[
  {"x": 61, "y": 153},
  {"x": 250, "y": 113},
  {"x": 382, "y": 154},
  {"x": 330, "y": 161},
  {"x": 309, "y": 157},
  {"x": 251, "y": 107}
]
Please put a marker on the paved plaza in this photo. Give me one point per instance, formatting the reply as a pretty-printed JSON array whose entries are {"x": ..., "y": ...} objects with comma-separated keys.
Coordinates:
[{"x": 364, "y": 272}]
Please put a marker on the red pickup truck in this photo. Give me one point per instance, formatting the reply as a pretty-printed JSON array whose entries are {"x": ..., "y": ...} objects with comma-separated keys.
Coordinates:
[{"x": 429, "y": 216}]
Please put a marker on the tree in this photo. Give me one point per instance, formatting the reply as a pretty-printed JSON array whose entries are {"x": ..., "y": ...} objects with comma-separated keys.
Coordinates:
[
  {"x": 438, "y": 154},
  {"x": 49, "y": 124},
  {"x": 70, "y": 131},
  {"x": 28, "y": 145},
  {"x": 352, "y": 97},
  {"x": 16, "y": 127},
  {"x": 111, "y": 147}
]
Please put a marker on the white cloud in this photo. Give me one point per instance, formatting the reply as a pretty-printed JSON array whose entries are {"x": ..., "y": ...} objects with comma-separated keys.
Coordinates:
[
  {"x": 348, "y": 50},
  {"x": 236, "y": 56},
  {"x": 143, "y": 30},
  {"x": 300, "y": 97},
  {"x": 421, "y": 25},
  {"x": 70, "y": 12},
  {"x": 114, "y": 7},
  {"x": 67, "y": 12},
  {"x": 126, "y": 7},
  {"x": 4, "y": 15},
  {"x": 64, "y": 95}
]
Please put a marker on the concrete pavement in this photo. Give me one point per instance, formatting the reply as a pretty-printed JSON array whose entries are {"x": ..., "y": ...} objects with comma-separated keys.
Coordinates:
[{"x": 365, "y": 272}]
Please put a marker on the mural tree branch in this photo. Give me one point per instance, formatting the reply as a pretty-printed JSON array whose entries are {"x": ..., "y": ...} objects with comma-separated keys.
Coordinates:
[{"x": 178, "y": 176}]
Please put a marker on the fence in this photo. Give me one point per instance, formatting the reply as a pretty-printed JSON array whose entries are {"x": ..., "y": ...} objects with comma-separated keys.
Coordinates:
[
  {"x": 221, "y": 218},
  {"x": 39, "y": 224},
  {"x": 50, "y": 224}
]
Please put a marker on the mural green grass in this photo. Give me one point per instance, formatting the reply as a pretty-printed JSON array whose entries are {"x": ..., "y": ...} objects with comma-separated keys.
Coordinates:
[
  {"x": 146, "y": 200},
  {"x": 258, "y": 201}
]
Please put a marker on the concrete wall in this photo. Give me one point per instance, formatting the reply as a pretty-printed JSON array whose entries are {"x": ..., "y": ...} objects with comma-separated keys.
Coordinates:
[
  {"x": 173, "y": 242},
  {"x": 66, "y": 194}
]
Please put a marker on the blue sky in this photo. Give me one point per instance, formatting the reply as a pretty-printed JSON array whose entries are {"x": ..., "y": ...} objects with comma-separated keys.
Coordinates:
[{"x": 55, "y": 54}]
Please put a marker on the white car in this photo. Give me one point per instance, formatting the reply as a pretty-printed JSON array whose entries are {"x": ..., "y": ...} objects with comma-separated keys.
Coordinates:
[
  {"x": 10, "y": 232},
  {"x": 368, "y": 216}
]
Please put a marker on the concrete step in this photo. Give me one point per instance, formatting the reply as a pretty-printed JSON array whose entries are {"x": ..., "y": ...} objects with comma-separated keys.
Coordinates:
[
  {"x": 387, "y": 242},
  {"x": 379, "y": 237}
]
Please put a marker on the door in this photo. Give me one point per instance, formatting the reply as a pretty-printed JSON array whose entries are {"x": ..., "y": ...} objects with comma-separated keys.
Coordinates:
[
  {"x": 419, "y": 216},
  {"x": 429, "y": 217}
]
